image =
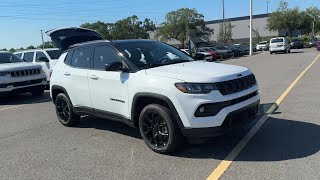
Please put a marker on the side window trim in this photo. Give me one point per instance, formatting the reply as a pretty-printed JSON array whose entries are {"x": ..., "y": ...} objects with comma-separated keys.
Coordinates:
[
  {"x": 104, "y": 45},
  {"x": 91, "y": 58},
  {"x": 68, "y": 58}
]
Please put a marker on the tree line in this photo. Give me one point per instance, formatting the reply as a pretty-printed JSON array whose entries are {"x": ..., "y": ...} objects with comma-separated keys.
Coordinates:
[
  {"x": 183, "y": 23},
  {"x": 294, "y": 19}
]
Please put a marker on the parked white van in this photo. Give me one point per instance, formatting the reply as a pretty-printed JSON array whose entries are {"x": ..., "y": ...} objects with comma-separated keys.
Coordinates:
[
  {"x": 47, "y": 58},
  {"x": 279, "y": 44}
]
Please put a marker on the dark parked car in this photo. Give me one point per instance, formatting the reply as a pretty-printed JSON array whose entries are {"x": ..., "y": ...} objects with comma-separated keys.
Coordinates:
[
  {"x": 226, "y": 53},
  {"x": 313, "y": 42},
  {"x": 296, "y": 43},
  {"x": 245, "y": 49},
  {"x": 215, "y": 55},
  {"x": 236, "y": 50},
  {"x": 318, "y": 46}
]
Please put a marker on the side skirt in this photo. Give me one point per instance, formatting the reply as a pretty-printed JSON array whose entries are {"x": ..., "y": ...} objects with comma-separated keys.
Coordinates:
[{"x": 103, "y": 114}]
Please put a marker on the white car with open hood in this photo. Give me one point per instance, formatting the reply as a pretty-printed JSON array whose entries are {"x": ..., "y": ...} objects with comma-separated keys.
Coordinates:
[
  {"x": 17, "y": 76},
  {"x": 149, "y": 85}
]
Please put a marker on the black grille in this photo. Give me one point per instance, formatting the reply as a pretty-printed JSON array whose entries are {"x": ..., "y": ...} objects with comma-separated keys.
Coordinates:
[
  {"x": 28, "y": 72},
  {"x": 236, "y": 85},
  {"x": 25, "y": 83}
]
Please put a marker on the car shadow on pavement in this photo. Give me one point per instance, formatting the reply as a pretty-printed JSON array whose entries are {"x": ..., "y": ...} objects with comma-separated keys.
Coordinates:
[
  {"x": 108, "y": 125},
  {"x": 277, "y": 140},
  {"x": 292, "y": 52},
  {"x": 25, "y": 98}
]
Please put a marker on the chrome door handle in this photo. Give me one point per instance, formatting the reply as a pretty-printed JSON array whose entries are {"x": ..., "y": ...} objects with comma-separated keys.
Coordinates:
[
  {"x": 94, "y": 77},
  {"x": 67, "y": 73}
]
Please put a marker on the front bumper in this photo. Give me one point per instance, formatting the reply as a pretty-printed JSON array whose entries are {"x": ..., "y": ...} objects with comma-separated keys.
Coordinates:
[
  {"x": 236, "y": 120},
  {"x": 23, "y": 86}
]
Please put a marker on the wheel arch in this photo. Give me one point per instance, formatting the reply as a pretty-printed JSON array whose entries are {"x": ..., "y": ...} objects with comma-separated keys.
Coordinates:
[
  {"x": 55, "y": 90},
  {"x": 142, "y": 99}
]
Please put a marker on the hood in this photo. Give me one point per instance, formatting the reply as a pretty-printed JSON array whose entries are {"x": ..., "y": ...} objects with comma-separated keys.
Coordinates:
[
  {"x": 18, "y": 66},
  {"x": 199, "y": 72},
  {"x": 65, "y": 37}
]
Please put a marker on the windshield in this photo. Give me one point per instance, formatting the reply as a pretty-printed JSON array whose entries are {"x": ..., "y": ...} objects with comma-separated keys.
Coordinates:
[
  {"x": 264, "y": 42},
  {"x": 9, "y": 58},
  {"x": 276, "y": 40},
  {"x": 54, "y": 54},
  {"x": 151, "y": 54}
]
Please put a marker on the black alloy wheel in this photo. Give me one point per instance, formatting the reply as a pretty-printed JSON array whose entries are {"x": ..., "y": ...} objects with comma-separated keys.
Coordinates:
[
  {"x": 64, "y": 110},
  {"x": 155, "y": 129},
  {"x": 159, "y": 129}
]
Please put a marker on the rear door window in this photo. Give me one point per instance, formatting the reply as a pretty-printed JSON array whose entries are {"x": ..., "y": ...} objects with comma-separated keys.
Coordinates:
[
  {"x": 81, "y": 58},
  {"x": 28, "y": 56}
]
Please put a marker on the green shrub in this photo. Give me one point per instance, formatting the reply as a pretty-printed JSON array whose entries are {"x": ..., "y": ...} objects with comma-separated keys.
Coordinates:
[{"x": 305, "y": 38}]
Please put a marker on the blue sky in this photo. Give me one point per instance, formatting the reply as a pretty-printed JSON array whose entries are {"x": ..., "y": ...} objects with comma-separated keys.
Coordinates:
[{"x": 21, "y": 20}]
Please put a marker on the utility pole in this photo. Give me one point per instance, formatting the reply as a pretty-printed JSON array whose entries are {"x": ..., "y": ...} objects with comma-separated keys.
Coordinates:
[
  {"x": 42, "y": 39},
  {"x": 268, "y": 6},
  {"x": 223, "y": 10},
  {"x": 223, "y": 23},
  {"x": 313, "y": 31},
  {"x": 250, "y": 28}
]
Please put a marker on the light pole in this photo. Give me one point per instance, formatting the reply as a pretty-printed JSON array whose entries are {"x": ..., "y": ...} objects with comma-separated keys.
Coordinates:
[
  {"x": 268, "y": 6},
  {"x": 250, "y": 28},
  {"x": 223, "y": 23},
  {"x": 42, "y": 39}
]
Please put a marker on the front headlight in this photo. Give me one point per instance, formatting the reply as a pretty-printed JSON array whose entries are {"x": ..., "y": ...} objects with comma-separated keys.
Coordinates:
[{"x": 196, "y": 88}]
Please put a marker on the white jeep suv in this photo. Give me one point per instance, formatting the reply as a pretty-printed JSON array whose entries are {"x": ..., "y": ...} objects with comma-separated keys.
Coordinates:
[
  {"x": 138, "y": 83},
  {"x": 47, "y": 58},
  {"x": 17, "y": 76}
]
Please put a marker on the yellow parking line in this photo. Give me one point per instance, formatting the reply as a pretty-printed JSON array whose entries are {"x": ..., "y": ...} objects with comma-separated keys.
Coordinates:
[
  {"x": 10, "y": 107},
  {"x": 223, "y": 166}
]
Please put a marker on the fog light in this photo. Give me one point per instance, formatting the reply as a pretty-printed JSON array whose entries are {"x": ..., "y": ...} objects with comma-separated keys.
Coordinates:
[{"x": 201, "y": 110}]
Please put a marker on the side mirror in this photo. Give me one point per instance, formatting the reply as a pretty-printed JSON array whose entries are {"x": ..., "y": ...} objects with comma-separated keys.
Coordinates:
[
  {"x": 116, "y": 66},
  {"x": 24, "y": 60},
  {"x": 43, "y": 59}
]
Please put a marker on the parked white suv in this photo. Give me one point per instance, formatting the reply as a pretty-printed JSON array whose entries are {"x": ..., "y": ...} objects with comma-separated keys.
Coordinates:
[
  {"x": 279, "y": 44},
  {"x": 17, "y": 76},
  {"x": 47, "y": 58},
  {"x": 136, "y": 82},
  {"x": 263, "y": 45}
]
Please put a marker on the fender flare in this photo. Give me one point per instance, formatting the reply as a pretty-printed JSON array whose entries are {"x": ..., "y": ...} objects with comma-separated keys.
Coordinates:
[{"x": 157, "y": 96}]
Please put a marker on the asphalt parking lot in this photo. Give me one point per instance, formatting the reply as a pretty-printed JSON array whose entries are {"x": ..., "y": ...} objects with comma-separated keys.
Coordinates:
[{"x": 34, "y": 145}]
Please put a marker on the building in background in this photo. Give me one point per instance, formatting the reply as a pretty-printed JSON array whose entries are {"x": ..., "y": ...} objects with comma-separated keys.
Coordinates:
[{"x": 240, "y": 30}]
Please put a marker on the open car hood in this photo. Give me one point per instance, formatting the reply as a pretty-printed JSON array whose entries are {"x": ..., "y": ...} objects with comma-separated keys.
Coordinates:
[{"x": 65, "y": 37}]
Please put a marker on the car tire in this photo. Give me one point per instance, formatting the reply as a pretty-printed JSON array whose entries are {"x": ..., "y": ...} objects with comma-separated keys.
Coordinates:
[
  {"x": 159, "y": 130},
  {"x": 64, "y": 110},
  {"x": 38, "y": 92},
  {"x": 289, "y": 51},
  {"x": 271, "y": 52}
]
